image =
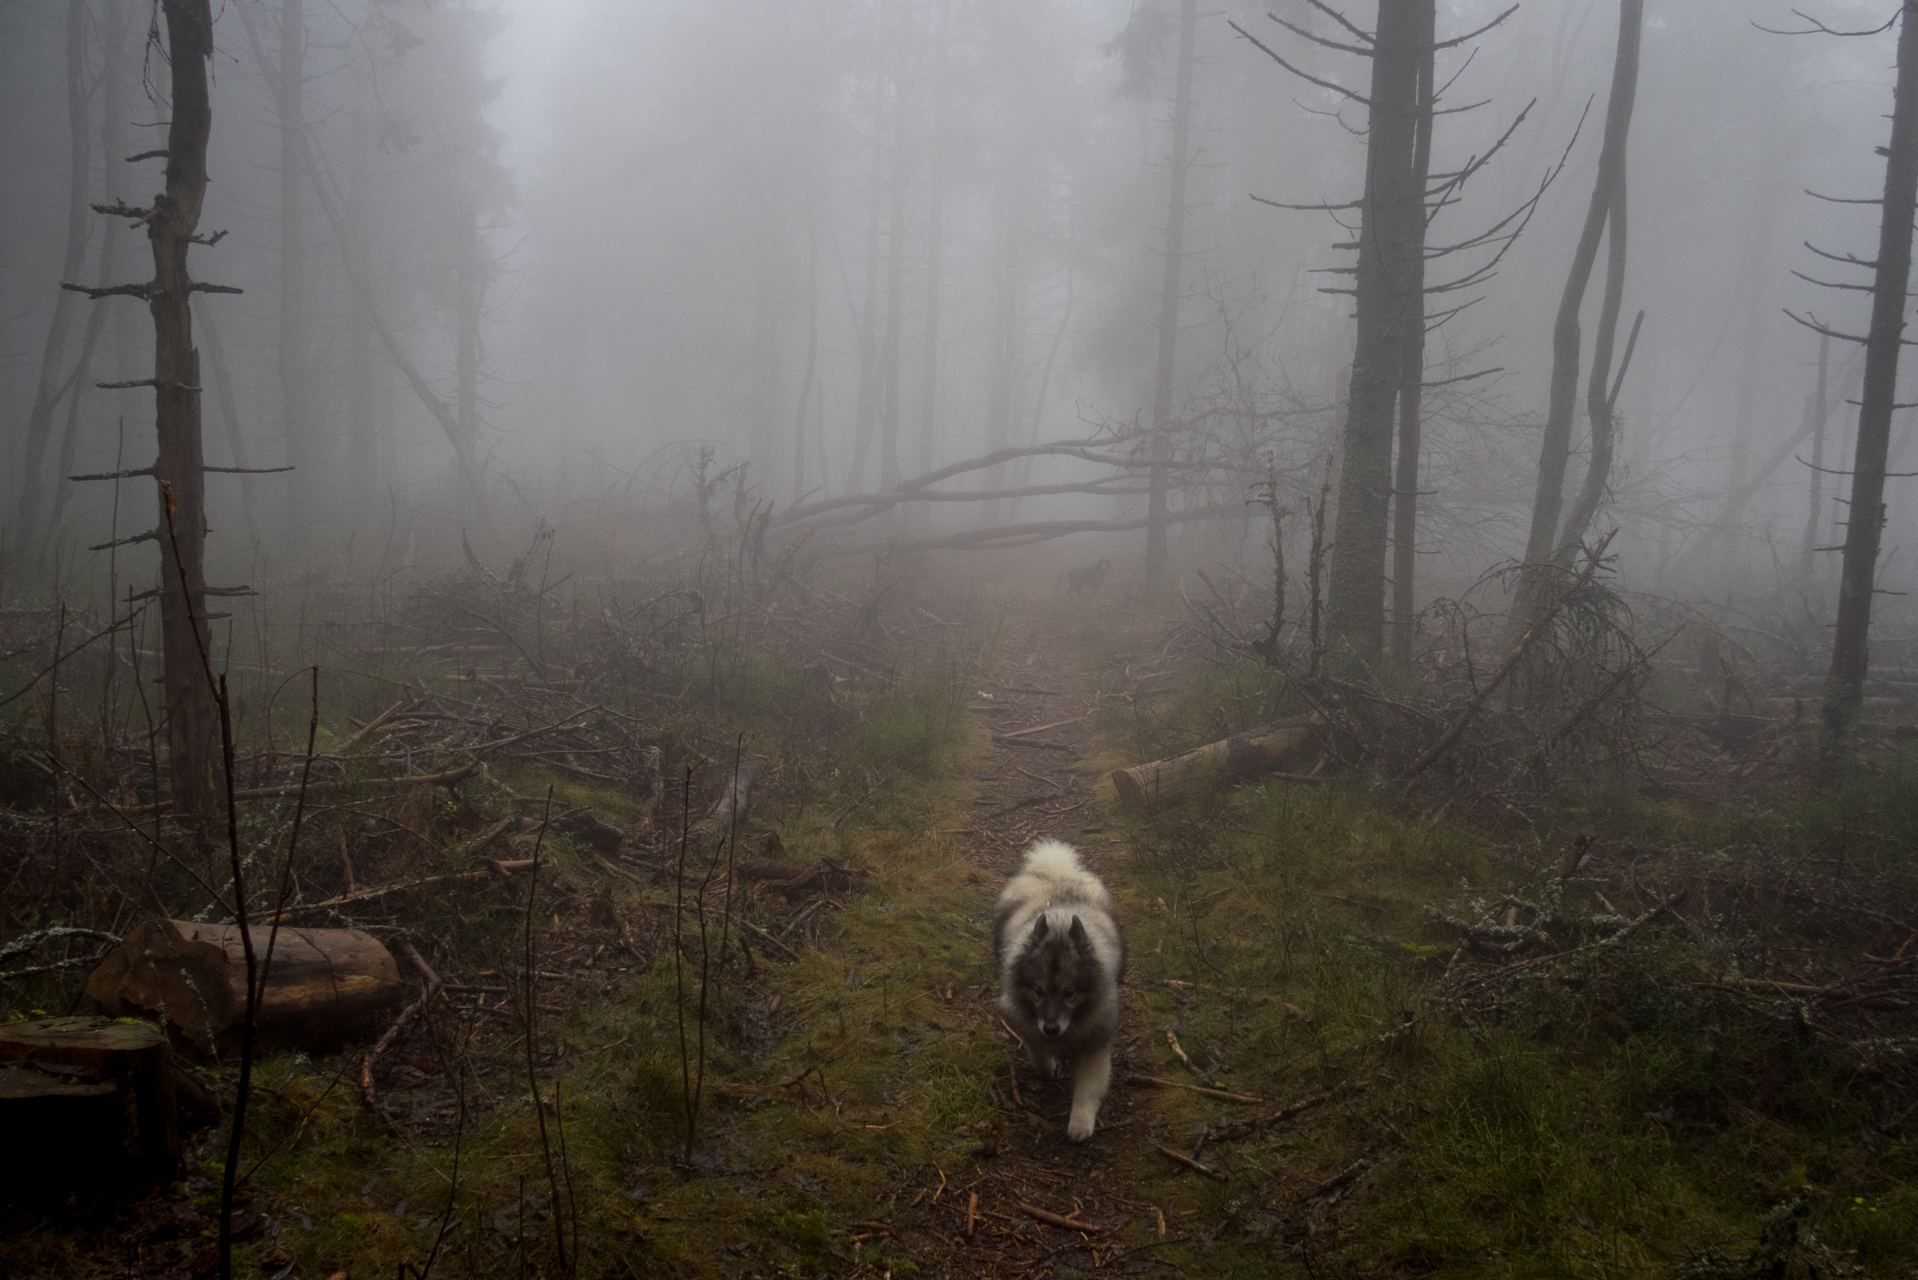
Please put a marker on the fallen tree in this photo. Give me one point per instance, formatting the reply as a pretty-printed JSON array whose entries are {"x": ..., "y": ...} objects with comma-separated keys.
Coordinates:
[
  {"x": 323, "y": 986},
  {"x": 1272, "y": 748}
]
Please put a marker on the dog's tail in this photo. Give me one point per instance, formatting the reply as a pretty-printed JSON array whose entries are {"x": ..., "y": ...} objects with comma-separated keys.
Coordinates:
[{"x": 1054, "y": 859}]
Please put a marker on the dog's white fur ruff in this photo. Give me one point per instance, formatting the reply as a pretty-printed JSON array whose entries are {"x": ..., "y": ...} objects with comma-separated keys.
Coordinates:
[{"x": 1055, "y": 887}]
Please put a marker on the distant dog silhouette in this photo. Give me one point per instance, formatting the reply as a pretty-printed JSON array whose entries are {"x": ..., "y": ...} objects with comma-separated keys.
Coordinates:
[{"x": 1089, "y": 578}]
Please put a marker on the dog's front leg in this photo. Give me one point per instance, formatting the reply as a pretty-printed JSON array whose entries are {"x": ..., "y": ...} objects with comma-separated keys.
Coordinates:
[{"x": 1091, "y": 1076}]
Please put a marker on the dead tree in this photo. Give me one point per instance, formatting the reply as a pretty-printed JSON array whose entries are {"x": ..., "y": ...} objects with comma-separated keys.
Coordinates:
[
  {"x": 172, "y": 224},
  {"x": 1891, "y": 276},
  {"x": 1405, "y": 472},
  {"x": 1399, "y": 202},
  {"x": 359, "y": 276},
  {"x": 1170, "y": 284},
  {"x": 289, "y": 100},
  {"x": 52, "y": 387},
  {"x": 1391, "y": 237},
  {"x": 1546, "y": 542}
]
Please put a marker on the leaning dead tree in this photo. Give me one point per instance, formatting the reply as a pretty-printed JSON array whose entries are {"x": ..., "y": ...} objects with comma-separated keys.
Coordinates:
[
  {"x": 179, "y": 470},
  {"x": 1123, "y": 455},
  {"x": 1548, "y": 544},
  {"x": 1889, "y": 289}
]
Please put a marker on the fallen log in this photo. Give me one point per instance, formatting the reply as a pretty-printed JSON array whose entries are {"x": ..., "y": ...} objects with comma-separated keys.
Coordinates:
[
  {"x": 449, "y": 779},
  {"x": 1273, "y": 748},
  {"x": 89, "y": 1107},
  {"x": 790, "y": 882},
  {"x": 324, "y": 986}
]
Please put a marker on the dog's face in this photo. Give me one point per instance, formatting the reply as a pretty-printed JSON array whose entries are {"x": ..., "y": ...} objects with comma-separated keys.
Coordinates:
[{"x": 1056, "y": 978}]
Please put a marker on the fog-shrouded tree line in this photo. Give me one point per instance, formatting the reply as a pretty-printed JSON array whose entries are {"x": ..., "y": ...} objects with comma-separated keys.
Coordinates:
[{"x": 925, "y": 275}]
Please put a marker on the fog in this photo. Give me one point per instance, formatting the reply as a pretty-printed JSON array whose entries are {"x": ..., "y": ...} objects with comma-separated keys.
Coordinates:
[{"x": 841, "y": 244}]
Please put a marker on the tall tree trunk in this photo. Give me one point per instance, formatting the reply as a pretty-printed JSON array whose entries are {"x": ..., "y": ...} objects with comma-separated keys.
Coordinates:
[
  {"x": 113, "y": 122},
  {"x": 192, "y": 725},
  {"x": 935, "y": 248},
  {"x": 471, "y": 275},
  {"x": 1391, "y": 237},
  {"x": 1005, "y": 324},
  {"x": 1171, "y": 285},
  {"x": 302, "y": 444},
  {"x": 892, "y": 407},
  {"x": 1405, "y": 476},
  {"x": 1845, "y": 685},
  {"x": 54, "y": 381},
  {"x": 1567, "y": 339},
  {"x": 866, "y": 412},
  {"x": 1816, "y": 499},
  {"x": 812, "y": 354},
  {"x": 362, "y": 436}
]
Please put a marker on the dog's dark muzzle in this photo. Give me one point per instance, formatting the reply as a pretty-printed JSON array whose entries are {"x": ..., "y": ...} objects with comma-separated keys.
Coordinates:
[{"x": 1054, "y": 1026}]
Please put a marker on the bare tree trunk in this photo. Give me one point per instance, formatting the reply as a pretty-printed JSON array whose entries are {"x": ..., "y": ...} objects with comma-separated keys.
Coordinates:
[
  {"x": 935, "y": 245},
  {"x": 362, "y": 451},
  {"x": 471, "y": 275},
  {"x": 1005, "y": 329},
  {"x": 812, "y": 354},
  {"x": 1819, "y": 417},
  {"x": 289, "y": 97},
  {"x": 1567, "y": 340},
  {"x": 891, "y": 404},
  {"x": 1171, "y": 285},
  {"x": 1391, "y": 237},
  {"x": 866, "y": 411},
  {"x": 192, "y": 723},
  {"x": 1405, "y": 477},
  {"x": 1845, "y": 685},
  {"x": 53, "y": 356},
  {"x": 113, "y": 121}
]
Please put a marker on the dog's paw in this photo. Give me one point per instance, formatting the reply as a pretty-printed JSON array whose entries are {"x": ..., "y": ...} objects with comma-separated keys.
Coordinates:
[{"x": 1081, "y": 1125}]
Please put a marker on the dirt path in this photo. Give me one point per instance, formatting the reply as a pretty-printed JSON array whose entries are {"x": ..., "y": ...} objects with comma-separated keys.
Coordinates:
[{"x": 1034, "y": 782}]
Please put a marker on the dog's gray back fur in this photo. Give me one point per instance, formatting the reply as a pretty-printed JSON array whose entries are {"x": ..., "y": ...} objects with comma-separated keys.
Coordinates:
[{"x": 1061, "y": 959}]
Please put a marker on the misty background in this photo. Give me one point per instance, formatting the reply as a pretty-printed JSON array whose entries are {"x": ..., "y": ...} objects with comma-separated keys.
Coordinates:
[{"x": 845, "y": 243}]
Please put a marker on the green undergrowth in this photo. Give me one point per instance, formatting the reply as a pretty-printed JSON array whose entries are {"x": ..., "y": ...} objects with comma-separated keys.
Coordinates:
[
  {"x": 828, "y": 1082},
  {"x": 1625, "y": 1112}
]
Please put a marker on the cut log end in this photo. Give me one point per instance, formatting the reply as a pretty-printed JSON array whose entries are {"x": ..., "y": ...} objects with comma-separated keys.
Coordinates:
[
  {"x": 324, "y": 986},
  {"x": 94, "y": 1102}
]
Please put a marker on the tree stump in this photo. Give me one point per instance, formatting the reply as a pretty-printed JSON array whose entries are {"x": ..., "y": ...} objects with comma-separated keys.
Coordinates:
[
  {"x": 88, "y": 1108},
  {"x": 324, "y": 987},
  {"x": 1272, "y": 748}
]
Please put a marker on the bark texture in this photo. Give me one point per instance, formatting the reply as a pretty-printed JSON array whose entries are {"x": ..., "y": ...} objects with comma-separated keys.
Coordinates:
[
  {"x": 1391, "y": 239},
  {"x": 1171, "y": 284},
  {"x": 192, "y": 717},
  {"x": 323, "y": 987},
  {"x": 1845, "y": 684}
]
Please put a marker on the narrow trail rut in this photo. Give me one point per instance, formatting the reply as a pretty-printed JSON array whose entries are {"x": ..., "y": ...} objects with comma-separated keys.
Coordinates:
[{"x": 1034, "y": 781}]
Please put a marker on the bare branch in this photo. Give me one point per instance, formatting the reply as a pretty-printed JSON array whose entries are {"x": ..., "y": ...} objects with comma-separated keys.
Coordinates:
[
  {"x": 1455, "y": 41},
  {"x": 1320, "y": 40},
  {"x": 1269, "y": 52}
]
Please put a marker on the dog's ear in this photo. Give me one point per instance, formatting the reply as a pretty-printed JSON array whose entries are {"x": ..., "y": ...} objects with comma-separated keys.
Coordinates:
[
  {"x": 1039, "y": 930},
  {"x": 1078, "y": 934}
]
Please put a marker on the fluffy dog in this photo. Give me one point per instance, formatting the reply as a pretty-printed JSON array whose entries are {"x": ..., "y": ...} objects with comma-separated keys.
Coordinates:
[
  {"x": 1061, "y": 960},
  {"x": 1090, "y": 578}
]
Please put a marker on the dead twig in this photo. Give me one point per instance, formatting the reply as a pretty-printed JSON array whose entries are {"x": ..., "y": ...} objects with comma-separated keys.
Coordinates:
[
  {"x": 1191, "y": 1164},
  {"x": 405, "y": 1019}
]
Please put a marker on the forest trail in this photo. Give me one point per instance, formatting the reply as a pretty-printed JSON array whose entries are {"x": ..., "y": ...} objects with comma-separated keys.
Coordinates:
[{"x": 1037, "y": 779}]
